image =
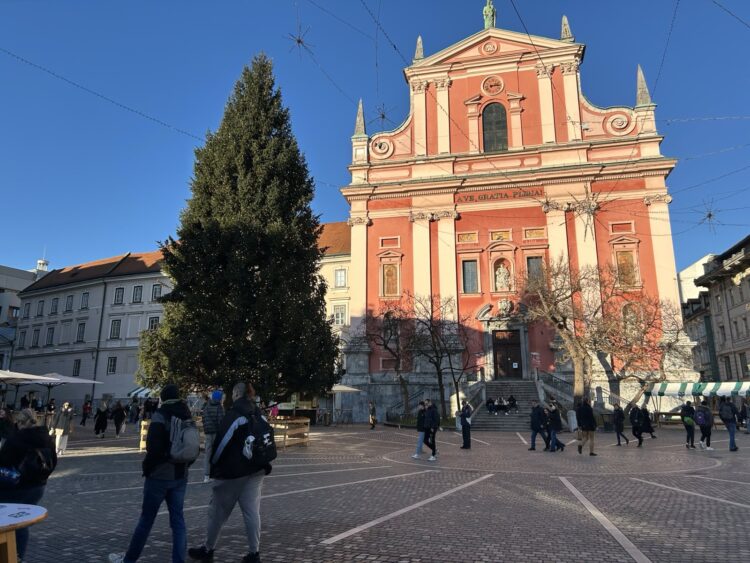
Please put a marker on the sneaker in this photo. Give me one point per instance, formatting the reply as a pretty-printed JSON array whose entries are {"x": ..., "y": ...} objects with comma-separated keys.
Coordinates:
[
  {"x": 532, "y": 449},
  {"x": 687, "y": 446},
  {"x": 592, "y": 453},
  {"x": 415, "y": 456},
  {"x": 733, "y": 449},
  {"x": 116, "y": 557},
  {"x": 692, "y": 446},
  {"x": 206, "y": 479},
  {"x": 618, "y": 444},
  {"x": 251, "y": 558},
  {"x": 709, "y": 449},
  {"x": 201, "y": 553},
  {"x": 432, "y": 458},
  {"x": 702, "y": 445}
]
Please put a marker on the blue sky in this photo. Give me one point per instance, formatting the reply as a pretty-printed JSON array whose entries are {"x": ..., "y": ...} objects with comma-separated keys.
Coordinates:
[{"x": 86, "y": 179}]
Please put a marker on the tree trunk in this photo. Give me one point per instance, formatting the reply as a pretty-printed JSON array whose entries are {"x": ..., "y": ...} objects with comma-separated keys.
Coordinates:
[
  {"x": 578, "y": 380},
  {"x": 458, "y": 398},
  {"x": 441, "y": 388},
  {"x": 404, "y": 394}
]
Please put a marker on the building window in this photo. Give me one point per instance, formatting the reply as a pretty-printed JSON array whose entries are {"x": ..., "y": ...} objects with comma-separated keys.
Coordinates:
[
  {"x": 627, "y": 274},
  {"x": 387, "y": 364},
  {"x": 69, "y": 303},
  {"x": 495, "y": 128},
  {"x": 390, "y": 280},
  {"x": 14, "y": 312},
  {"x": 153, "y": 323},
  {"x": 534, "y": 268},
  {"x": 743, "y": 364},
  {"x": 53, "y": 306},
  {"x": 744, "y": 325},
  {"x": 469, "y": 276},
  {"x": 114, "y": 328},
  {"x": 730, "y": 291},
  {"x": 736, "y": 328},
  {"x": 81, "y": 332},
  {"x": 111, "y": 365},
  {"x": 40, "y": 308},
  {"x": 339, "y": 315},
  {"x": 727, "y": 368},
  {"x": 21, "y": 339},
  {"x": 50, "y": 336},
  {"x": 35, "y": 338},
  {"x": 137, "y": 294},
  {"x": 26, "y": 310},
  {"x": 155, "y": 292},
  {"x": 339, "y": 278},
  {"x": 85, "y": 300},
  {"x": 76, "y": 368},
  {"x": 119, "y": 296}
]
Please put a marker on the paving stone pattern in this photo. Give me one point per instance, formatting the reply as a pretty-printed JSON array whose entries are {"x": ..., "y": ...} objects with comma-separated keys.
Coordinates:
[{"x": 523, "y": 512}]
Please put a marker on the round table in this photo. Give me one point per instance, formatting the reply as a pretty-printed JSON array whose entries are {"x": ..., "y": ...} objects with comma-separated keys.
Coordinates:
[{"x": 12, "y": 517}]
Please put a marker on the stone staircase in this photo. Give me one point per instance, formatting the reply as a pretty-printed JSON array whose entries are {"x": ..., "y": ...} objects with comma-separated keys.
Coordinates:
[{"x": 523, "y": 390}]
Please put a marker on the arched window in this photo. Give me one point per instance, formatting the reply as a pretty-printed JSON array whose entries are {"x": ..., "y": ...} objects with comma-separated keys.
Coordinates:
[{"x": 495, "y": 128}]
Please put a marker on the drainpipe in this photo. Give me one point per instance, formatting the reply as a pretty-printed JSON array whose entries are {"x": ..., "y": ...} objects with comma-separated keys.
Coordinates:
[{"x": 98, "y": 339}]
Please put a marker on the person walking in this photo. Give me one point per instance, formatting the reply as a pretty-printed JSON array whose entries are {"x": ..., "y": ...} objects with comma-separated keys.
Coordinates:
[
  {"x": 686, "y": 415},
  {"x": 704, "y": 418},
  {"x": 118, "y": 417},
  {"x": 618, "y": 417},
  {"x": 373, "y": 415},
  {"x": 466, "y": 424},
  {"x": 537, "y": 426},
  {"x": 555, "y": 426},
  {"x": 85, "y": 412},
  {"x": 420, "y": 430},
  {"x": 62, "y": 426},
  {"x": 646, "y": 425},
  {"x": 30, "y": 449},
  {"x": 166, "y": 479},
  {"x": 135, "y": 408},
  {"x": 26, "y": 401},
  {"x": 213, "y": 413},
  {"x": 728, "y": 415},
  {"x": 635, "y": 423},
  {"x": 100, "y": 419},
  {"x": 237, "y": 479},
  {"x": 431, "y": 425},
  {"x": 586, "y": 426}
]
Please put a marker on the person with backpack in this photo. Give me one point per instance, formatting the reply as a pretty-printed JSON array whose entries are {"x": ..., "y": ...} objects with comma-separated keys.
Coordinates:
[
  {"x": 704, "y": 418},
  {"x": 618, "y": 418},
  {"x": 212, "y": 415},
  {"x": 728, "y": 415},
  {"x": 635, "y": 423},
  {"x": 172, "y": 445},
  {"x": 686, "y": 415},
  {"x": 420, "y": 430},
  {"x": 244, "y": 449},
  {"x": 31, "y": 451}
]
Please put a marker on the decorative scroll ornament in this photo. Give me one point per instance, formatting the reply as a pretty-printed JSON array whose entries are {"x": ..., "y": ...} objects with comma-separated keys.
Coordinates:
[
  {"x": 433, "y": 215},
  {"x": 658, "y": 198},
  {"x": 443, "y": 83},
  {"x": 381, "y": 148},
  {"x": 354, "y": 221},
  {"x": 570, "y": 67},
  {"x": 419, "y": 86},
  {"x": 544, "y": 70},
  {"x": 619, "y": 124}
]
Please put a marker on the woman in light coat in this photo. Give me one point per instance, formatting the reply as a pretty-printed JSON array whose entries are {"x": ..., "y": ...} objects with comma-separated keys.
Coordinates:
[{"x": 62, "y": 425}]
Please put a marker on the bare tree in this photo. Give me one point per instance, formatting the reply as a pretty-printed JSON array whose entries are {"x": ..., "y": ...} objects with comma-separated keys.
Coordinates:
[{"x": 391, "y": 329}]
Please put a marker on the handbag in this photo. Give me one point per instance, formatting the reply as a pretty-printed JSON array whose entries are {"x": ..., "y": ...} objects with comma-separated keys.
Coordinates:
[{"x": 9, "y": 477}]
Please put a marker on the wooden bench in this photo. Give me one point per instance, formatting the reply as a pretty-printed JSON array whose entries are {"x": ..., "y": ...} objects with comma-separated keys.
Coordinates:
[{"x": 291, "y": 431}]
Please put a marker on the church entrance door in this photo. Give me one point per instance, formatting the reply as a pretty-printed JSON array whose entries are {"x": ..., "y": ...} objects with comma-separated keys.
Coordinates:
[{"x": 507, "y": 353}]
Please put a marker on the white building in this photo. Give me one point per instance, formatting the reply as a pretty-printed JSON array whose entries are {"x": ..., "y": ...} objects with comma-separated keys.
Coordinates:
[
  {"x": 12, "y": 281},
  {"x": 85, "y": 321}
]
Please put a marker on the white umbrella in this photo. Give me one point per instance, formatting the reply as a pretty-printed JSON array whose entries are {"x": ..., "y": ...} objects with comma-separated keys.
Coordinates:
[
  {"x": 338, "y": 388},
  {"x": 17, "y": 379}
]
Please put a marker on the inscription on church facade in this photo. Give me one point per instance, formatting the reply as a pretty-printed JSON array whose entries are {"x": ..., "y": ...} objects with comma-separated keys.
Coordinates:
[{"x": 529, "y": 193}]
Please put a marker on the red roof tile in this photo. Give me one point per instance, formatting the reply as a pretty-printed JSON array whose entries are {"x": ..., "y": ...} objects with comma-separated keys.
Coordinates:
[{"x": 336, "y": 238}]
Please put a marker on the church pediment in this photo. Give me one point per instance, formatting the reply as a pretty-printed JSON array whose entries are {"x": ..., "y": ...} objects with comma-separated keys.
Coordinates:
[{"x": 494, "y": 43}]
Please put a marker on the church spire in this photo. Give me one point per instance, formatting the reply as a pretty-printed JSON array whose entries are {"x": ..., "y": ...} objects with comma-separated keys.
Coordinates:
[
  {"x": 359, "y": 125},
  {"x": 419, "y": 51},
  {"x": 642, "y": 95},
  {"x": 565, "y": 33},
  {"x": 490, "y": 15}
]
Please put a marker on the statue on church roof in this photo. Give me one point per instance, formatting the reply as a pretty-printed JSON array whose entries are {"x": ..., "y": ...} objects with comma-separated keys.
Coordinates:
[{"x": 489, "y": 13}]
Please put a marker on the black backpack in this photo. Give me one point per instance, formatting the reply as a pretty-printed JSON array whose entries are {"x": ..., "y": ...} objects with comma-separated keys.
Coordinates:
[
  {"x": 37, "y": 466},
  {"x": 263, "y": 443}
]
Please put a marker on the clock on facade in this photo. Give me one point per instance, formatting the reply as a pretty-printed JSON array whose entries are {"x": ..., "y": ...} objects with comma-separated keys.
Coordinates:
[{"x": 493, "y": 85}]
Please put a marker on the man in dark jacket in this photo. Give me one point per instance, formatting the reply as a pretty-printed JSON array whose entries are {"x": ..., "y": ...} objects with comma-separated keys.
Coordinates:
[
  {"x": 705, "y": 420},
  {"x": 420, "y": 429},
  {"x": 431, "y": 425},
  {"x": 538, "y": 422},
  {"x": 213, "y": 413},
  {"x": 165, "y": 480},
  {"x": 635, "y": 422},
  {"x": 586, "y": 426},
  {"x": 687, "y": 412},
  {"x": 555, "y": 426},
  {"x": 618, "y": 417},
  {"x": 466, "y": 424},
  {"x": 728, "y": 415},
  {"x": 236, "y": 479}
]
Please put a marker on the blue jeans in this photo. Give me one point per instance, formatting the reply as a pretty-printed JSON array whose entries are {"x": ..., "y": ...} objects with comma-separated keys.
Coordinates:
[
  {"x": 155, "y": 491},
  {"x": 533, "y": 438},
  {"x": 553, "y": 443},
  {"x": 420, "y": 441},
  {"x": 30, "y": 495},
  {"x": 732, "y": 428}
]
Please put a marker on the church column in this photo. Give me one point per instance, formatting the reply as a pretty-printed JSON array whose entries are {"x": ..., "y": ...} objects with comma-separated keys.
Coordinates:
[
  {"x": 419, "y": 103},
  {"x": 443, "y": 115},
  {"x": 557, "y": 233},
  {"x": 516, "y": 131},
  {"x": 421, "y": 251},
  {"x": 358, "y": 268},
  {"x": 447, "y": 255},
  {"x": 661, "y": 239},
  {"x": 547, "y": 115},
  {"x": 572, "y": 109}
]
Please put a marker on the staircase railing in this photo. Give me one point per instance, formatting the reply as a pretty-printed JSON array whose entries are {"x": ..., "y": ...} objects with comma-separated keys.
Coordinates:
[{"x": 395, "y": 413}]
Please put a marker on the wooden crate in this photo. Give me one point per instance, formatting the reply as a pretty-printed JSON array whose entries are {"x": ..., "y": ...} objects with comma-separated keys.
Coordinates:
[{"x": 291, "y": 431}]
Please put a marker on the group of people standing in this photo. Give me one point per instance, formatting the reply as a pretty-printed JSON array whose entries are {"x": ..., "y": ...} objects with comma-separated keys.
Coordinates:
[
  {"x": 428, "y": 422},
  {"x": 703, "y": 417}
]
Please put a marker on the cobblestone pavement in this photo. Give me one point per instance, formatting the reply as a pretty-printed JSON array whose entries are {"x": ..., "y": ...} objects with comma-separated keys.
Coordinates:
[{"x": 357, "y": 495}]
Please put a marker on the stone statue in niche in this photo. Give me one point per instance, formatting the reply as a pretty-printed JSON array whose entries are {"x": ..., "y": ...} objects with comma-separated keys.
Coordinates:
[{"x": 502, "y": 277}]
